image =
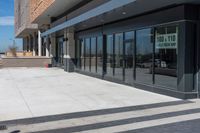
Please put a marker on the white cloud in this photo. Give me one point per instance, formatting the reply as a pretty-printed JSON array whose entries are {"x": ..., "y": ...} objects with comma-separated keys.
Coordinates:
[{"x": 7, "y": 21}]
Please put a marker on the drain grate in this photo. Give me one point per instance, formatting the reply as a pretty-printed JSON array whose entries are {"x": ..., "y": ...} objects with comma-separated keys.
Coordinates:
[{"x": 3, "y": 127}]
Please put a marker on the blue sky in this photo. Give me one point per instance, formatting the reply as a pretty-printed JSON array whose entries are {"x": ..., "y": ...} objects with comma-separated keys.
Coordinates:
[{"x": 7, "y": 25}]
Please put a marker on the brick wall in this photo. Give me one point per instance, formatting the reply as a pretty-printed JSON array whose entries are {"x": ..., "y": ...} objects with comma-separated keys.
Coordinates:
[{"x": 38, "y": 7}]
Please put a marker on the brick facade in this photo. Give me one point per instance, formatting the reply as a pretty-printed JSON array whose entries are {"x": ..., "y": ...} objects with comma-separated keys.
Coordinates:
[
  {"x": 38, "y": 7},
  {"x": 22, "y": 17}
]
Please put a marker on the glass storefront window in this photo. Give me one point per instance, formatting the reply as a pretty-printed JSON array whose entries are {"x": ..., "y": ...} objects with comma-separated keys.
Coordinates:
[
  {"x": 82, "y": 55},
  {"x": 100, "y": 55},
  {"x": 87, "y": 54},
  {"x": 93, "y": 55},
  {"x": 60, "y": 51},
  {"x": 109, "y": 64},
  {"x": 78, "y": 53},
  {"x": 128, "y": 56},
  {"x": 118, "y": 58},
  {"x": 166, "y": 43},
  {"x": 129, "y": 36},
  {"x": 144, "y": 52}
]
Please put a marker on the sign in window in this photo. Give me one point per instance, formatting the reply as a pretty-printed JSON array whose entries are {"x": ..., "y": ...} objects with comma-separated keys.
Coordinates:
[{"x": 166, "y": 41}]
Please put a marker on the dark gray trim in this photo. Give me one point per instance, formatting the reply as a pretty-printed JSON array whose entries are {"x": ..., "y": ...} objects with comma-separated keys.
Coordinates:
[
  {"x": 93, "y": 113},
  {"x": 198, "y": 60},
  {"x": 123, "y": 69},
  {"x": 153, "y": 55},
  {"x": 186, "y": 57}
]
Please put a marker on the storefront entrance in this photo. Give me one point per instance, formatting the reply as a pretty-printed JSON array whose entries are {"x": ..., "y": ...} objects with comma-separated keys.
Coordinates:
[
  {"x": 157, "y": 56},
  {"x": 145, "y": 56}
]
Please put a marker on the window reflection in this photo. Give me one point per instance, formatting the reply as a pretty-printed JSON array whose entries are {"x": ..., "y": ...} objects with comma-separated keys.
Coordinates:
[
  {"x": 121, "y": 51},
  {"x": 78, "y": 53},
  {"x": 144, "y": 51},
  {"x": 82, "y": 55},
  {"x": 118, "y": 58},
  {"x": 87, "y": 54},
  {"x": 110, "y": 54},
  {"x": 93, "y": 55},
  {"x": 128, "y": 56},
  {"x": 166, "y": 56},
  {"x": 100, "y": 55},
  {"x": 60, "y": 52}
]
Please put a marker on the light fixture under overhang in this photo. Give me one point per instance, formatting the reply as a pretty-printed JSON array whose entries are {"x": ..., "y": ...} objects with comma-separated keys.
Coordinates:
[{"x": 124, "y": 13}]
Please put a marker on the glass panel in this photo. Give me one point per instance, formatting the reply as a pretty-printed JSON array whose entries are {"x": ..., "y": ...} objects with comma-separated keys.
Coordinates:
[
  {"x": 144, "y": 50},
  {"x": 129, "y": 35},
  {"x": 128, "y": 56},
  {"x": 82, "y": 55},
  {"x": 87, "y": 54},
  {"x": 166, "y": 56},
  {"x": 93, "y": 55},
  {"x": 60, "y": 52},
  {"x": 100, "y": 55},
  {"x": 119, "y": 56},
  {"x": 109, "y": 65},
  {"x": 78, "y": 53}
]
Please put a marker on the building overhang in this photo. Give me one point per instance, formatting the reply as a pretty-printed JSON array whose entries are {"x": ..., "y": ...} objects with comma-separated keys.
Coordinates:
[
  {"x": 58, "y": 7},
  {"x": 24, "y": 31},
  {"x": 104, "y": 8},
  {"x": 114, "y": 10}
]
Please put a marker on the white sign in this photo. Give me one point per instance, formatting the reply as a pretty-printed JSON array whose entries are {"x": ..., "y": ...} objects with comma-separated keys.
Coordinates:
[{"x": 167, "y": 41}]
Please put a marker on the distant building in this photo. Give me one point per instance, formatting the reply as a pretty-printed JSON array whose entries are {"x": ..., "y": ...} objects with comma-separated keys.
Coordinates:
[{"x": 149, "y": 44}]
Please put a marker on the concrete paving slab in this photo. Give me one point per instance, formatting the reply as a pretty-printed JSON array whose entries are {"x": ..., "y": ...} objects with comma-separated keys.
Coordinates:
[
  {"x": 34, "y": 92},
  {"x": 122, "y": 119}
]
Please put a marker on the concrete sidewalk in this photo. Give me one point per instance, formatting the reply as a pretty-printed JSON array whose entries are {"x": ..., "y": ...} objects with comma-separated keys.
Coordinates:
[
  {"x": 35, "y": 92},
  {"x": 168, "y": 117}
]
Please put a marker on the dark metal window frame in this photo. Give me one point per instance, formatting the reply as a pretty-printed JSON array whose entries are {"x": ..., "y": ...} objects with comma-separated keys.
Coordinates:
[
  {"x": 84, "y": 54},
  {"x": 153, "y": 27}
]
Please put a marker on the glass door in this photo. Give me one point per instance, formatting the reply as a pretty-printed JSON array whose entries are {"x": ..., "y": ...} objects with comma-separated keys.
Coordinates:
[
  {"x": 129, "y": 57},
  {"x": 118, "y": 56},
  {"x": 60, "y": 52},
  {"x": 87, "y": 54},
  {"x": 99, "y": 55},
  {"x": 144, "y": 56},
  {"x": 166, "y": 51},
  {"x": 109, "y": 54}
]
